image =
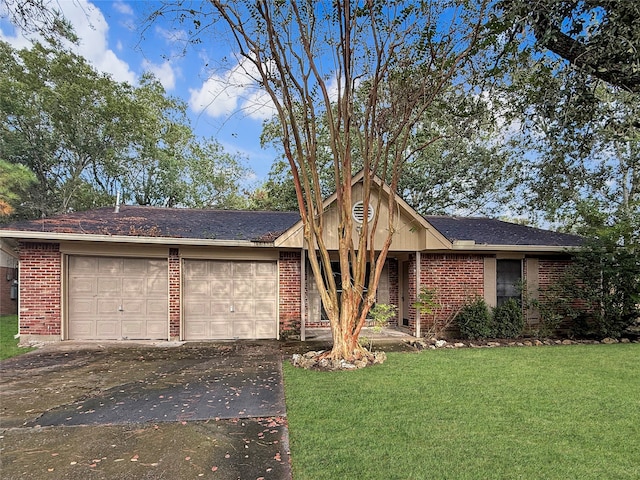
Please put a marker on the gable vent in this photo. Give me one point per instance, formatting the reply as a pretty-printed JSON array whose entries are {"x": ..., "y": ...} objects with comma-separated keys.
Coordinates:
[{"x": 357, "y": 212}]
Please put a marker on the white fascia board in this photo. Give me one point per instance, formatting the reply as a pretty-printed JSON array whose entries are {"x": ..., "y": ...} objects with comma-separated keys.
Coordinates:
[
  {"x": 513, "y": 248},
  {"x": 86, "y": 237}
]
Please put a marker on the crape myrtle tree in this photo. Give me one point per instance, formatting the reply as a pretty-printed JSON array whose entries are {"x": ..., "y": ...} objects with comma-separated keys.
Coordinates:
[{"x": 370, "y": 70}]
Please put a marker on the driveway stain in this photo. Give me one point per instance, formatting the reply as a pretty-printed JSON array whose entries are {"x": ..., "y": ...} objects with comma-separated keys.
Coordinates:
[{"x": 193, "y": 411}]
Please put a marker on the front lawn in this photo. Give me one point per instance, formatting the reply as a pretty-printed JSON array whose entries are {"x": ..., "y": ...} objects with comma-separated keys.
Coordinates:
[
  {"x": 8, "y": 344},
  {"x": 537, "y": 412}
]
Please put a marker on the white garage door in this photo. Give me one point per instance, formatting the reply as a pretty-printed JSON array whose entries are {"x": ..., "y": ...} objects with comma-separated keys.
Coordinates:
[
  {"x": 118, "y": 298},
  {"x": 229, "y": 299}
]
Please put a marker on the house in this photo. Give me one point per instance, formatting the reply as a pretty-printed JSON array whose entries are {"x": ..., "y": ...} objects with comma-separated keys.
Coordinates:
[{"x": 158, "y": 273}]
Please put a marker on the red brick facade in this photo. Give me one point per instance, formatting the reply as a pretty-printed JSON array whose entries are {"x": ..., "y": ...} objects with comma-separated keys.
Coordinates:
[
  {"x": 456, "y": 279},
  {"x": 40, "y": 289},
  {"x": 174, "y": 293},
  {"x": 290, "y": 291}
]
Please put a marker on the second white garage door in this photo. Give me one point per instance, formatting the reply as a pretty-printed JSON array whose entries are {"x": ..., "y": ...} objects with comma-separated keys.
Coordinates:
[{"x": 229, "y": 299}]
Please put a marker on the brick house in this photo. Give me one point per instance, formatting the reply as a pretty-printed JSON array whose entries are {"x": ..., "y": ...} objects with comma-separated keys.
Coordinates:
[{"x": 159, "y": 273}]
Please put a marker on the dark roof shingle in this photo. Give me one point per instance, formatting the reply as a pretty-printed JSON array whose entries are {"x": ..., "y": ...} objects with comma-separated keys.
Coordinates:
[
  {"x": 167, "y": 222},
  {"x": 489, "y": 231}
]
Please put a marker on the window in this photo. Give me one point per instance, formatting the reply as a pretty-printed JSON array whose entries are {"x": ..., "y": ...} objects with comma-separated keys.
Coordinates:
[{"x": 508, "y": 280}]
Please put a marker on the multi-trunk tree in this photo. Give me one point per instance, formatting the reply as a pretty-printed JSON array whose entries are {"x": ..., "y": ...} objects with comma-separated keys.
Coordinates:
[{"x": 366, "y": 71}]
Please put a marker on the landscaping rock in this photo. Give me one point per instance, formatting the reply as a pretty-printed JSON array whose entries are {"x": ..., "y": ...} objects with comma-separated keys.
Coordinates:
[
  {"x": 440, "y": 343},
  {"x": 459, "y": 345},
  {"x": 567, "y": 342},
  {"x": 625, "y": 340},
  {"x": 537, "y": 343},
  {"x": 609, "y": 340}
]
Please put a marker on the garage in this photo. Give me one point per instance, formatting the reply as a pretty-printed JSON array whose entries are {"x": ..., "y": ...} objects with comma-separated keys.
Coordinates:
[
  {"x": 115, "y": 298},
  {"x": 228, "y": 299}
]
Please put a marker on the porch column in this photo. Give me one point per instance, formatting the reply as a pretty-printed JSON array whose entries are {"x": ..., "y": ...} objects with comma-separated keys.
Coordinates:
[
  {"x": 303, "y": 294},
  {"x": 418, "y": 274}
]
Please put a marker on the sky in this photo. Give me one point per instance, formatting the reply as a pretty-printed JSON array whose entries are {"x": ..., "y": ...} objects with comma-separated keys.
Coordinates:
[{"x": 116, "y": 39}]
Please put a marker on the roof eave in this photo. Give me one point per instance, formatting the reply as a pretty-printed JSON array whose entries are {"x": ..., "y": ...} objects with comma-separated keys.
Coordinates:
[
  {"x": 88, "y": 237},
  {"x": 472, "y": 246}
]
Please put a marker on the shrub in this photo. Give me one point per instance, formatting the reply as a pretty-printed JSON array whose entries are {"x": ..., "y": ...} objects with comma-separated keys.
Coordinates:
[
  {"x": 508, "y": 320},
  {"x": 474, "y": 320}
]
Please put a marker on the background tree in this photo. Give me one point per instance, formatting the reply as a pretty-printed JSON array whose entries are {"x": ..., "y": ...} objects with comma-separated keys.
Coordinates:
[
  {"x": 86, "y": 137},
  {"x": 317, "y": 61},
  {"x": 14, "y": 180}
]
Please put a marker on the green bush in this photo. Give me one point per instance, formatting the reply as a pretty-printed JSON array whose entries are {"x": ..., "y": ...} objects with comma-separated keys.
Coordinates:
[
  {"x": 508, "y": 320},
  {"x": 474, "y": 320}
]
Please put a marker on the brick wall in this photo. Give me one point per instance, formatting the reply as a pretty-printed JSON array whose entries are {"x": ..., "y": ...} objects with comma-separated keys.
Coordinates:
[
  {"x": 40, "y": 289},
  {"x": 457, "y": 278},
  {"x": 289, "y": 285},
  {"x": 174, "y": 293}
]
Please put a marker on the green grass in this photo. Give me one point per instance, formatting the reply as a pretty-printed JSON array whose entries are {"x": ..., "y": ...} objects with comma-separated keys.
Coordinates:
[
  {"x": 8, "y": 344},
  {"x": 504, "y": 413}
]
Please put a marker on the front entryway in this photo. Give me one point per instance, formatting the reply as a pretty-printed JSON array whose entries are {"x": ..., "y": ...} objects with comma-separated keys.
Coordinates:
[{"x": 225, "y": 299}]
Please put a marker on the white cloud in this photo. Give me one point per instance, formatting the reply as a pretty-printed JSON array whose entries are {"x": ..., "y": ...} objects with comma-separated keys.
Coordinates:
[
  {"x": 232, "y": 91},
  {"x": 123, "y": 8},
  {"x": 163, "y": 72},
  {"x": 92, "y": 29}
]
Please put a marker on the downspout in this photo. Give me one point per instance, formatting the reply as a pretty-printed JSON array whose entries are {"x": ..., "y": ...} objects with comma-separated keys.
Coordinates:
[
  {"x": 303, "y": 299},
  {"x": 418, "y": 319}
]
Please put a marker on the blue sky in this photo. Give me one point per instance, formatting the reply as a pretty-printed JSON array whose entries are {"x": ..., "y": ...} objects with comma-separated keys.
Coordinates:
[{"x": 222, "y": 102}]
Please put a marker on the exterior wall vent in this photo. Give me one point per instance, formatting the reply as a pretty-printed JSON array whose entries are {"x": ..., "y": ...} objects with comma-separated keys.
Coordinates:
[{"x": 357, "y": 212}]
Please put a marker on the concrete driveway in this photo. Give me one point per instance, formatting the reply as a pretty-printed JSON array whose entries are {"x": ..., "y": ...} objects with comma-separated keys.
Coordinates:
[{"x": 105, "y": 411}]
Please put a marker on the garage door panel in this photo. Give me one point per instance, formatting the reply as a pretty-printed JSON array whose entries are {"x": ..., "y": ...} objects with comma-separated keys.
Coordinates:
[
  {"x": 108, "y": 287},
  {"x": 265, "y": 330},
  {"x": 111, "y": 266},
  {"x": 83, "y": 285},
  {"x": 108, "y": 329},
  {"x": 219, "y": 269},
  {"x": 115, "y": 298},
  {"x": 219, "y": 331},
  {"x": 83, "y": 264},
  {"x": 133, "y": 287},
  {"x": 265, "y": 269},
  {"x": 106, "y": 306},
  {"x": 134, "y": 329},
  {"x": 243, "y": 269},
  {"x": 237, "y": 292},
  {"x": 265, "y": 310},
  {"x": 242, "y": 289},
  {"x": 243, "y": 329},
  {"x": 266, "y": 287},
  {"x": 195, "y": 288},
  {"x": 193, "y": 309},
  {"x": 85, "y": 306},
  {"x": 157, "y": 287}
]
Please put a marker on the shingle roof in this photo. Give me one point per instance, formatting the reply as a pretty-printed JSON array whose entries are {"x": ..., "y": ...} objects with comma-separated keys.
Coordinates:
[
  {"x": 489, "y": 231},
  {"x": 167, "y": 222},
  {"x": 242, "y": 225}
]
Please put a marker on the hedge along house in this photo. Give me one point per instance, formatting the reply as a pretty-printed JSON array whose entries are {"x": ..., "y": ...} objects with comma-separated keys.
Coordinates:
[{"x": 165, "y": 274}]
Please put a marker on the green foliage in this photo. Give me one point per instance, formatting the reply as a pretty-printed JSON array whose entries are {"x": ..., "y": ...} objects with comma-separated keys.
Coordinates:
[
  {"x": 604, "y": 283},
  {"x": 8, "y": 343},
  {"x": 86, "y": 137},
  {"x": 426, "y": 302},
  {"x": 14, "y": 181},
  {"x": 474, "y": 320},
  {"x": 508, "y": 320},
  {"x": 380, "y": 314}
]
